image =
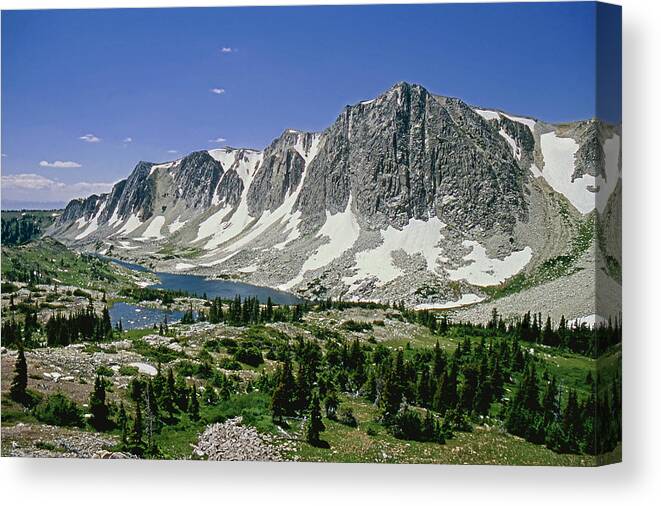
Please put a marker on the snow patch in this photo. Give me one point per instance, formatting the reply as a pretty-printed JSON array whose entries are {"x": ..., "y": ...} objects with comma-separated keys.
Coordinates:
[
  {"x": 586, "y": 192},
  {"x": 126, "y": 245},
  {"x": 93, "y": 224},
  {"x": 485, "y": 271},
  {"x": 182, "y": 266},
  {"x": 131, "y": 224},
  {"x": 466, "y": 299},
  {"x": 417, "y": 237},
  {"x": 249, "y": 269},
  {"x": 343, "y": 230},
  {"x": 488, "y": 115},
  {"x": 167, "y": 165},
  {"x": 590, "y": 320},
  {"x": 529, "y": 122},
  {"x": 176, "y": 225},
  {"x": 153, "y": 230},
  {"x": 241, "y": 219},
  {"x": 516, "y": 150},
  {"x": 90, "y": 228}
]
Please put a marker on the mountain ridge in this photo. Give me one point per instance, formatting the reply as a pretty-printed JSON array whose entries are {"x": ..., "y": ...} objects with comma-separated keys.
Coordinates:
[{"x": 425, "y": 185}]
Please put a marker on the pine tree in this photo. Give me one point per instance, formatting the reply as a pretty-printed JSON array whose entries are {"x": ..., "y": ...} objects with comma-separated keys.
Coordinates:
[
  {"x": 314, "y": 425},
  {"x": 122, "y": 423},
  {"x": 391, "y": 397},
  {"x": 423, "y": 390},
  {"x": 99, "y": 410},
  {"x": 571, "y": 422},
  {"x": 19, "y": 385},
  {"x": 136, "y": 443},
  {"x": 550, "y": 405},
  {"x": 331, "y": 403},
  {"x": 282, "y": 401},
  {"x": 193, "y": 404},
  {"x": 169, "y": 398}
]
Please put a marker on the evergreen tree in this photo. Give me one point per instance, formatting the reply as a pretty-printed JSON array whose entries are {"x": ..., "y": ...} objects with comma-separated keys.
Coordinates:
[
  {"x": 122, "y": 423},
  {"x": 19, "y": 385},
  {"x": 314, "y": 425},
  {"x": 135, "y": 439},
  {"x": 331, "y": 403},
  {"x": 169, "y": 398},
  {"x": 193, "y": 404},
  {"x": 282, "y": 401},
  {"x": 99, "y": 410}
]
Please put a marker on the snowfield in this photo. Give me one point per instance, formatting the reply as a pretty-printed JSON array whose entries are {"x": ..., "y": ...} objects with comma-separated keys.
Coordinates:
[
  {"x": 93, "y": 224},
  {"x": 464, "y": 300},
  {"x": 131, "y": 224},
  {"x": 342, "y": 230},
  {"x": 587, "y": 192},
  {"x": 484, "y": 271},
  {"x": 241, "y": 223},
  {"x": 153, "y": 230},
  {"x": 182, "y": 266},
  {"x": 559, "y": 155},
  {"x": 590, "y": 320},
  {"x": 418, "y": 237},
  {"x": 176, "y": 225}
]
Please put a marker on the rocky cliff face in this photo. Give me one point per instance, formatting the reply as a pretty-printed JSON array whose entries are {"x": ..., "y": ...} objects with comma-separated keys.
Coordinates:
[
  {"x": 407, "y": 196},
  {"x": 410, "y": 155}
]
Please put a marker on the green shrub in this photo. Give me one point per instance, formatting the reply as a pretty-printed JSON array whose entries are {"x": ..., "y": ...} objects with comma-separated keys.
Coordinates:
[
  {"x": 229, "y": 343},
  {"x": 229, "y": 364},
  {"x": 213, "y": 345},
  {"x": 128, "y": 370},
  {"x": 409, "y": 425},
  {"x": 346, "y": 417},
  {"x": 58, "y": 409},
  {"x": 9, "y": 288},
  {"x": 354, "y": 326},
  {"x": 249, "y": 355},
  {"x": 81, "y": 293},
  {"x": 104, "y": 370}
]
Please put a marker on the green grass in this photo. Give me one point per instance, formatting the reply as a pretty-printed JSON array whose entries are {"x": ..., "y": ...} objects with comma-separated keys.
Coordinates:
[
  {"x": 13, "y": 412},
  {"x": 54, "y": 261},
  {"x": 370, "y": 442},
  {"x": 170, "y": 251},
  {"x": 553, "y": 268},
  {"x": 175, "y": 440}
]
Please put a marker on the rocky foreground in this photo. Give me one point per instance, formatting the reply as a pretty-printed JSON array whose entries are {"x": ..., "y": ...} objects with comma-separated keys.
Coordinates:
[
  {"x": 47, "y": 441},
  {"x": 232, "y": 441}
]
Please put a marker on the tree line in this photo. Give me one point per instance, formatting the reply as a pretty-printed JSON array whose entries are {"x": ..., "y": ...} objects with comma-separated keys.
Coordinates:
[
  {"x": 82, "y": 325},
  {"x": 428, "y": 395}
]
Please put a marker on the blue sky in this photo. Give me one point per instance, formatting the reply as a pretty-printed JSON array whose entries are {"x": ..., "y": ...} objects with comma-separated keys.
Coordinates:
[{"x": 102, "y": 89}]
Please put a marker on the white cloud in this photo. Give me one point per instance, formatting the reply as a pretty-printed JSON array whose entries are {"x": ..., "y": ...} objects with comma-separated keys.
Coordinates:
[
  {"x": 128, "y": 139},
  {"x": 173, "y": 151},
  {"x": 57, "y": 164},
  {"x": 3, "y": 155},
  {"x": 217, "y": 91},
  {"x": 34, "y": 187},
  {"x": 218, "y": 140},
  {"x": 89, "y": 138},
  {"x": 226, "y": 50}
]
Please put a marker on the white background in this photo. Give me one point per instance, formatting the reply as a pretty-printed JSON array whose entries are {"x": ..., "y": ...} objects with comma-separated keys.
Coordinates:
[{"x": 636, "y": 481}]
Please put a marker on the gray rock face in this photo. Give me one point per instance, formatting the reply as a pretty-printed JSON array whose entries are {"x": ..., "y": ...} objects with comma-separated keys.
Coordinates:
[
  {"x": 229, "y": 192},
  {"x": 80, "y": 208},
  {"x": 410, "y": 154},
  {"x": 197, "y": 175},
  {"x": 590, "y": 157},
  {"x": 138, "y": 195},
  {"x": 279, "y": 174}
]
